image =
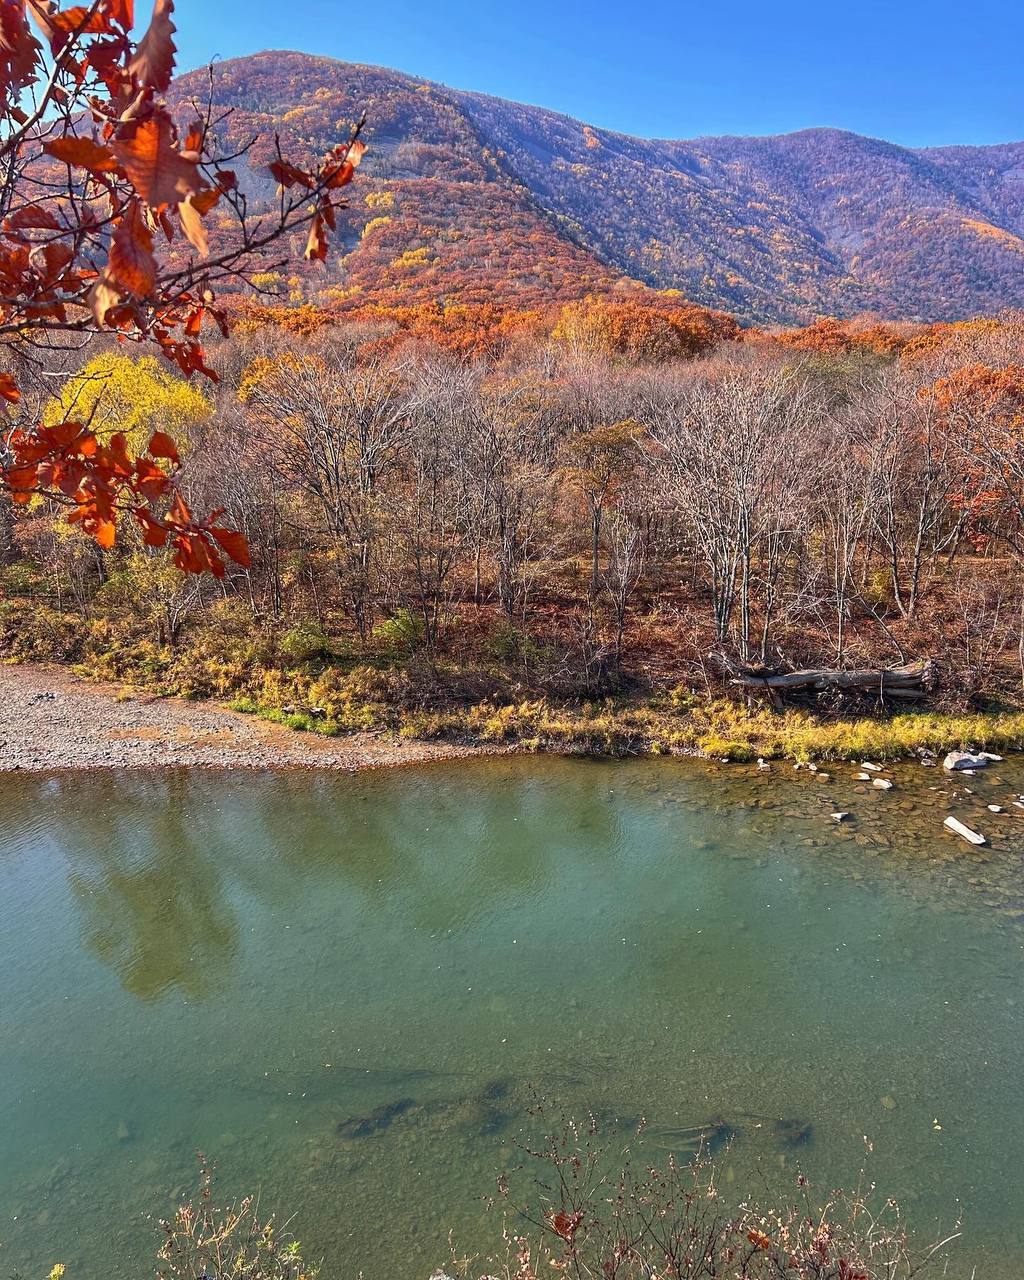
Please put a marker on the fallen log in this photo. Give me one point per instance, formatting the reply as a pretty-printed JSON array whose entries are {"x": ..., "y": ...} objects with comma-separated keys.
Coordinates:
[{"x": 907, "y": 682}]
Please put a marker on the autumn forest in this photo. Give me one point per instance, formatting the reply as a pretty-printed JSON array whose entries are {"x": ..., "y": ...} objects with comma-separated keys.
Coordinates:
[
  {"x": 459, "y": 473},
  {"x": 448, "y": 513}
]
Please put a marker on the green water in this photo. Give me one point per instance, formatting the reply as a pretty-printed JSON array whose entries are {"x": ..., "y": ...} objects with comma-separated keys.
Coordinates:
[{"x": 250, "y": 964}]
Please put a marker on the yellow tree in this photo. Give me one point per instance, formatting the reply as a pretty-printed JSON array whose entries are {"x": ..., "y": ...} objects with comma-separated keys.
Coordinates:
[{"x": 114, "y": 392}]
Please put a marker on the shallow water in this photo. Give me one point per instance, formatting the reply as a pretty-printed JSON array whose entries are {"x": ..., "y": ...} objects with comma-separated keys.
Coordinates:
[{"x": 347, "y": 990}]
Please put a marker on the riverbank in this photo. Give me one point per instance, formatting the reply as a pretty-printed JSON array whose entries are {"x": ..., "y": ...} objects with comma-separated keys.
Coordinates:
[{"x": 52, "y": 718}]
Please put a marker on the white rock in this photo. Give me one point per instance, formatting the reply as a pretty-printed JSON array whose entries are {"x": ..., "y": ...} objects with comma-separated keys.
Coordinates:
[
  {"x": 875, "y": 768},
  {"x": 883, "y": 784},
  {"x": 839, "y": 817},
  {"x": 972, "y": 837},
  {"x": 863, "y": 777},
  {"x": 964, "y": 760},
  {"x": 988, "y": 755},
  {"x": 995, "y": 808}
]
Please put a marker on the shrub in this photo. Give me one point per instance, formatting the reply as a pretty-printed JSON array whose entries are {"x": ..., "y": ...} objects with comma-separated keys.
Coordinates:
[
  {"x": 21, "y": 579},
  {"x": 207, "y": 1241},
  {"x": 398, "y": 636},
  {"x": 305, "y": 643},
  {"x": 583, "y": 1214},
  {"x": 505, "y": 641}
]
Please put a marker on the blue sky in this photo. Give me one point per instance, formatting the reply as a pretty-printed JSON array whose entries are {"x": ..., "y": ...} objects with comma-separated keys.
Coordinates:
[{"x": 916, "y": 73}]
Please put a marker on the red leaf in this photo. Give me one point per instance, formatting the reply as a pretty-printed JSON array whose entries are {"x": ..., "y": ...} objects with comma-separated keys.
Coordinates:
[
  {"x": 19, "y": 55},
  {"x": 289, "y": 176},
  {"x": 105, "y": 533},
  {"x": 193, "y": 555},
  {"x": 82, "y": 152},
  {"x": 32, "y": 216},
  {"x": 340, "y": 171},
  {"x": 131, "y": 266},
  {"x": 316, "y": 245},
  {"x": 9, "y": 388},
  {"x": 566, "y": 1224},
  {"x": 179, "y": 513},
  {"x": 153, "y": 64},
  {"x": 162, "y": 446},
  {"x": 58, "y": 25},
  {"x": 156, "y": 169},
  {"x": 234, "y": 543},
  {"x": 122, "y": 12},
  {"x": 192, "y": 225},
  {"x": 154, "y": 534},
  {"x": 103, "y": 299}
]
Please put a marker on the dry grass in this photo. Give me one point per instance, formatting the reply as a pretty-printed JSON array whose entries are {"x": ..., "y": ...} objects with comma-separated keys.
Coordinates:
[{"x": 676, "y": 726}]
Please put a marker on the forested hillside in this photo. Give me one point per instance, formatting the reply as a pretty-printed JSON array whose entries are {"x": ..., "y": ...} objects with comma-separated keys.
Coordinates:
[{"x": 469, "y": 199}]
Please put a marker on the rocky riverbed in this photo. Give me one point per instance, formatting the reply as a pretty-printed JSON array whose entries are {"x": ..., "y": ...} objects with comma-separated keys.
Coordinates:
[{"x": 51, "y": 719}]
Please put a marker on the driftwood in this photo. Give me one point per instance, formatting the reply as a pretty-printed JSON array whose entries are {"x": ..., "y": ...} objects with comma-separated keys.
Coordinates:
[
  {"x": 972, "y": 837},
  {"x": 906, "y": 683}
]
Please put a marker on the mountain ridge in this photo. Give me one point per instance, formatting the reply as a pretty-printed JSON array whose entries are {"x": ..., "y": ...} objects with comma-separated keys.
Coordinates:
[{"x": 460, "y": 188}]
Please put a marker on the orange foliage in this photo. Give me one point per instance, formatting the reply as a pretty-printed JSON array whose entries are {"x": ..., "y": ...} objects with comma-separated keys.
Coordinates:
[
  {"x": 935, "y": 337},
  {"x": 837, "y": 337},
  {"x": 480, "y": 329},
  {"x": 638, "y": 331},
  {"x": 642, "y": 333},
  {"x": 995, "y": 394},
  {"x": 985, "y": 407}
]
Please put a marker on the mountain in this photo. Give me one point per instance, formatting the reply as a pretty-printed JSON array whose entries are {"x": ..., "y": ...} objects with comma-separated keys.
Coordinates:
[{"x": 468, "y": 198}]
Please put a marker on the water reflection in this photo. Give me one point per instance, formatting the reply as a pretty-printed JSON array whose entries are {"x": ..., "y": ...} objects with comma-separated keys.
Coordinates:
[{"x": 162, "y": 886}]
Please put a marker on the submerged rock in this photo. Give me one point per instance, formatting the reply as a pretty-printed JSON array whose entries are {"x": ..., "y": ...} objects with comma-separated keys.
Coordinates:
[
  {"x": 883, "y": 784},
  {"x": 959, "y": 760},
  {"x": 377, "y": 1121},
  {"x": 793, "y": 1133},
  {"x": 496, "y": 1090}
]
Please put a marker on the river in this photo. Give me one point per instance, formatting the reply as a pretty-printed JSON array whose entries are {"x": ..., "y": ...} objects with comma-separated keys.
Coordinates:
[{"x": 348, "y": 991}]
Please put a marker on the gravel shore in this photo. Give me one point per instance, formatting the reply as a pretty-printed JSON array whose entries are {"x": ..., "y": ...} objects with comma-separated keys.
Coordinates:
[{"x": 51, "y": 719}]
